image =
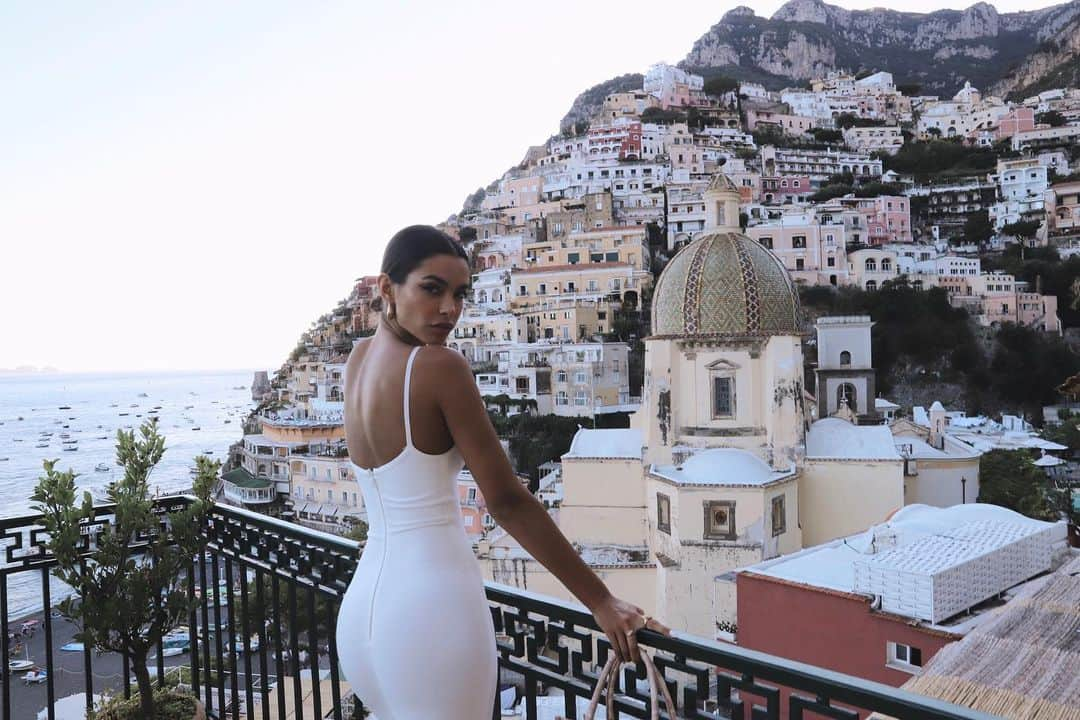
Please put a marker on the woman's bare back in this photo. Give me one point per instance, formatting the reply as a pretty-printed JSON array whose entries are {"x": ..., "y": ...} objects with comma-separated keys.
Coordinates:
[{"x": 374, "y": 406}]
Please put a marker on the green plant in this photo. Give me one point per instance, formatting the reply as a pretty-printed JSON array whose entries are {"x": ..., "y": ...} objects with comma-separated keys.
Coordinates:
[{"x": 132, "y": 588}]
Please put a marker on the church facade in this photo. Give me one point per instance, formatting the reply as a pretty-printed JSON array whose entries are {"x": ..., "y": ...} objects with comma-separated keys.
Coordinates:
[{"x": 708, "y": 477}]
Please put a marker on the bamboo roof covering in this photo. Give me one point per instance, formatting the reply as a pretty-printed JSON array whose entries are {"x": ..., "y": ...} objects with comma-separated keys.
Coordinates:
[{"x": 1023, "y": 663}]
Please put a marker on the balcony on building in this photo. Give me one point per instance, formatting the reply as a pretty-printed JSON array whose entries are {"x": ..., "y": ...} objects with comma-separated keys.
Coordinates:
[
  {"x": 267, "y": 591},
  {"x": 242, "y": 487}
]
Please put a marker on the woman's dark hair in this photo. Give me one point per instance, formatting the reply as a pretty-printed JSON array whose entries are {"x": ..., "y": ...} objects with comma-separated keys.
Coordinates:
[{"x": 415, "y": 244}]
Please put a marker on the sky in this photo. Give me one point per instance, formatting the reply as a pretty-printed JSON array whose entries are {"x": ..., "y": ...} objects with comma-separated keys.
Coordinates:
[{"x": 189, "y": 185}]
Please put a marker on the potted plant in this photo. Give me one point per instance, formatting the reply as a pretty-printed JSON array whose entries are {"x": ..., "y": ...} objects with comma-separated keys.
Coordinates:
[{"x": 132, "y": 589}]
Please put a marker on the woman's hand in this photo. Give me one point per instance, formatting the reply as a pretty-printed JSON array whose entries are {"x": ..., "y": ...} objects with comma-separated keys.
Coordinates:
[{"x": 620, "y": 621}]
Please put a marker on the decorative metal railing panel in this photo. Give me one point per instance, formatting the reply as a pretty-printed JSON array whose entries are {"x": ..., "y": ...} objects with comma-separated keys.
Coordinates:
[{"x": 266, "y": 597}]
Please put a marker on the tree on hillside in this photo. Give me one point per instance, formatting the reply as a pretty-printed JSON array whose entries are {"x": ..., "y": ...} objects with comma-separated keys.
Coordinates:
[
  {"x": 661, "y": 116},
  {"x": 977, "y": 228},
  {"x": 827, "y": 135},
  {"x": 1022, "y": 229},
  {"x": 1028, "y": 365},
  {"x": 720, "y": 85},
  {"x": 1053, "y": 118},
  {"x": 1009, "y": 479}
]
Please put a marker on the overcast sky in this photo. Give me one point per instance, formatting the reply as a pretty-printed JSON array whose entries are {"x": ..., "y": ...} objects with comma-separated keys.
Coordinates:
[{"x": 189, "y": 185}]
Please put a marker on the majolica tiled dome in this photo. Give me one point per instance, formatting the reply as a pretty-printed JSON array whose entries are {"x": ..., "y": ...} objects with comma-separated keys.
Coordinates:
[{"x": 723, "y": 284}]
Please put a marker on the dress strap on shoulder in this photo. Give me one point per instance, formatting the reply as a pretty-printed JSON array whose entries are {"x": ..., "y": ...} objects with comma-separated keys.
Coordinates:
[{"x": 405, "y": 404}]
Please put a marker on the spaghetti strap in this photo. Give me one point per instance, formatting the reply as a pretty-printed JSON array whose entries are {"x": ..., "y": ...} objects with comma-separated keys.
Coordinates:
[{"x": 405, "y": 405}]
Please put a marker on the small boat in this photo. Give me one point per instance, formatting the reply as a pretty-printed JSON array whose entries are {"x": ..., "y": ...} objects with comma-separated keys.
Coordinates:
[
  {"x": 102, "y": 467},
  {"x": 72, "y": 647},
  {"x": 71, "y": 448},
  {"x": 102, "y": 437},
  {"x": 71, "y": 418},
  {"x": 138, "y": 414},
  {"x": 65, "y": 436},
  {"x": 188, "y": 407},
  {"x": 228, "y": 421},
  {"x": 69, "y": 442},
  {"x": 64, "y": 407},
  {"x": 4, "y": 459},
  {"x": 143, "y": 395},
  {"x": 173, "y": 651},
  {"x": 157, "y": 407},
  {"x": 35, "y": 676},
  {"x": 16, "y": 439},
  {"x": 134, "y": 405},
  {"x": 19, "y": 418},
  {"x": 196, "y": 427},
  {"x": 17, "y": 665},
  {"x": 124, "y": 414},
  {"x": 42, "y": 445}
]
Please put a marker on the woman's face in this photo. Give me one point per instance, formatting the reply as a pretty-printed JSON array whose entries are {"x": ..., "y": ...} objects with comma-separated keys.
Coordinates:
[{"x": 429, "y": 302}]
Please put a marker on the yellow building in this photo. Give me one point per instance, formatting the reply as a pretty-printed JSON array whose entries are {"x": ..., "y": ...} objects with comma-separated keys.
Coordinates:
[
  {"x": 549, "y": 286},
  {"x": 627, "y": 245}
]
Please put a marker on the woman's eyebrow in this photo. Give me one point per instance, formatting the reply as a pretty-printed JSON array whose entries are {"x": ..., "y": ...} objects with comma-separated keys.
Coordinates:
[{"x": 436, "y": 278}]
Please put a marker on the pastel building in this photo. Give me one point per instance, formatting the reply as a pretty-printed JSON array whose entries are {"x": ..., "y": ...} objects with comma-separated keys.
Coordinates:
[
  {"x": 1022, "y": 186},
  {"x": 869, "y": 139},
  {"x": 798, "y": 125},
  {"x": 869, "y": 268},
  {"x": 1063, "y": 211},
  {"x": 813, "y": 251},
  {"x": 674, "y": 87}
]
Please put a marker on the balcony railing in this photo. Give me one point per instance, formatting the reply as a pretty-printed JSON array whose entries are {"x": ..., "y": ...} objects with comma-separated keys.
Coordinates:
[{"x": 267, "y": 594}]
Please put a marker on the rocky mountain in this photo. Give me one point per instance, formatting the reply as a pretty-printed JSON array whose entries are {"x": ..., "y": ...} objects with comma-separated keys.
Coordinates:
[
  {"x": 939, "y": 50},
  {"x": 588, "y": 103}
]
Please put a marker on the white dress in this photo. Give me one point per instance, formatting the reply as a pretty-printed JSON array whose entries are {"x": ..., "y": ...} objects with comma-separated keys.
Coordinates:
[{"x": 414, "y": 634}]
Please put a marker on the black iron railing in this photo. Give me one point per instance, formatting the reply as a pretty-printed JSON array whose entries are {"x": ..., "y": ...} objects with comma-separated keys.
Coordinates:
[{"x": 261, "y": 640}]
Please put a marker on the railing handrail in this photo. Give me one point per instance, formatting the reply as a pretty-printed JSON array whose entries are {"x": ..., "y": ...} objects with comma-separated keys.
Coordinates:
[
  {"x": 313, "y": 561},
  {"x": 853, "y": 689}
]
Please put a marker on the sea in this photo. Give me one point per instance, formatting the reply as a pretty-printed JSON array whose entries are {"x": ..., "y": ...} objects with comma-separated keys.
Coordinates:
[{"x": 199, "y": 413}]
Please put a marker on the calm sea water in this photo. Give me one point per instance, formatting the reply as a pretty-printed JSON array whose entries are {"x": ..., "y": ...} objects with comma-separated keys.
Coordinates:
[{"x": 199, "y": 413}]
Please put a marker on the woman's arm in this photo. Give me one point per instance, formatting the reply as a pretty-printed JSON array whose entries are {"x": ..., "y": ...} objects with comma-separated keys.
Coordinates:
[{"x": 521, "y": 514}]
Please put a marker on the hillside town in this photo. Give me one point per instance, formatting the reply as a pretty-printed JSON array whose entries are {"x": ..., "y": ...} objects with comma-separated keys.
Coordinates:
[{"x": 640, "y": 278}]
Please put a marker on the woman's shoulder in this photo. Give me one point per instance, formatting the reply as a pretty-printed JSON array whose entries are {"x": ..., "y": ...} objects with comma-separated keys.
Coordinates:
[{"x": 436, "y": 358}]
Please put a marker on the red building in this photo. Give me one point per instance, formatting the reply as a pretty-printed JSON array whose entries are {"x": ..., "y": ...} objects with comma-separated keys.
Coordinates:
[
  {"x": 880, "y": 604},
  {"x": 620, "y": 140},
  {"x": 831, "y": 629}
]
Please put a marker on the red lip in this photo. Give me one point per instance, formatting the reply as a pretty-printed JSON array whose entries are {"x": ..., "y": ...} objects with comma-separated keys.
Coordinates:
[{"x": 447, "y": 327}]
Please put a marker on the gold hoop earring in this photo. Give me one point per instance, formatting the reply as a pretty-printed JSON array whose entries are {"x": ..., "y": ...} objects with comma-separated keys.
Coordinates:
[{"x": 391, "y": 312}]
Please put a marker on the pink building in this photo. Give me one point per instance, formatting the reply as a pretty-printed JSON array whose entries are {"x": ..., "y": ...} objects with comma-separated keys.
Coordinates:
[
  {"x": 1019, "y": 119},
  {"x": 789, "y": 124},
  {"x": 474, "y": 514},
  {"x": 784, "y": 189},
  {"x": 888, "y": 218}
]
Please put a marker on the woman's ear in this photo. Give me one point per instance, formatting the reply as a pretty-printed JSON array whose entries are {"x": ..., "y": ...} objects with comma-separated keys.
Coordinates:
[{"x": 386, "y": 291}]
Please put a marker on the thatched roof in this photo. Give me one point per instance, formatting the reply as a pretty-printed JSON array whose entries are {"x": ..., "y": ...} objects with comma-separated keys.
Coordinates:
[{"x": 1023, "y": 663}]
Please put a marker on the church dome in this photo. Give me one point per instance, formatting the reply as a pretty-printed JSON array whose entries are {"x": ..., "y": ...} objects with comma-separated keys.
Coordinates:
[{"x": 723, "y": 284}]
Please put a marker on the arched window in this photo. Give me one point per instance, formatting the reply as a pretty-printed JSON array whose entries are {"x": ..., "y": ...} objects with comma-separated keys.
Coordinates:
[
  {"x": 871, "y": 285},
  {"x": 871, "y": 265},
  {"x": 845, "y": 357},
  {"x": 886, "y": 265},
  {"x": 846, "y": 393},
  {"x": 560, "y": 376}
]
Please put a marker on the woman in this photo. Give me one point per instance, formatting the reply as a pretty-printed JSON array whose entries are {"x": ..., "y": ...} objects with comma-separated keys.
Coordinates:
[{"x": 414, "y": 634}]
